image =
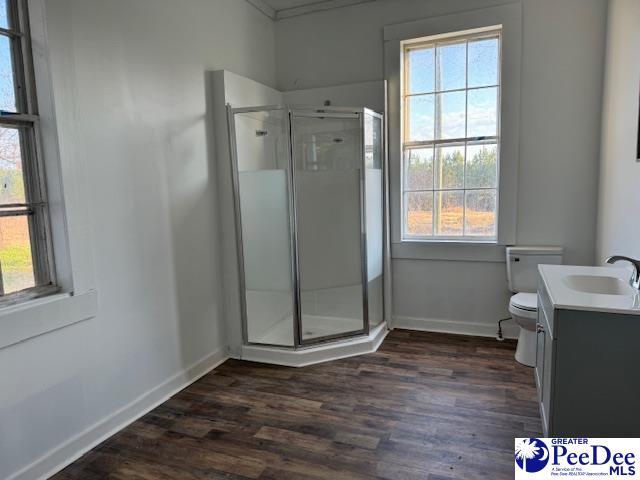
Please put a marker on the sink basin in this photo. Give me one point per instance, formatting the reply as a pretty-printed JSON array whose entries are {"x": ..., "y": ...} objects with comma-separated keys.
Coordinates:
[
  {"x": 600, "y": 285},
  {"x": 593, "y": 289}
]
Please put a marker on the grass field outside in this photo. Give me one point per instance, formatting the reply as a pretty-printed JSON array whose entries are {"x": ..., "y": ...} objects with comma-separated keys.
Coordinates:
[
  {"x": 481, "y": 223},
  {"x": 15, "y": 254}
]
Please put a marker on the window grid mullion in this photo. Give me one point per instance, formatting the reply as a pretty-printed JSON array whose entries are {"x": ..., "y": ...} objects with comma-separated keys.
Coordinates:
[
  {"x": 453, "y": 90},
  {"x": 466, "y": 134},
  {"x": 433, "y": 193},
  {"x": 10, "y": 33},
  {"x": 423, "y": 190},
  {"x": 16, "y": 213},
  {"x": 433, "y": 147},
  {"x": 445, "y": 142},
  {"x": 464, "y": 194}
]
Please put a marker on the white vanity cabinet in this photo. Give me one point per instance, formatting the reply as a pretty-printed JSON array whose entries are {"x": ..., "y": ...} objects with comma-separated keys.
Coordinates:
[{"x": 587, "y": 360}]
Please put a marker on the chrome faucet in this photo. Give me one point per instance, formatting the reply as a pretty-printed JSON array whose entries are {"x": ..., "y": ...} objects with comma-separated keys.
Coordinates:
[{"x": 635, "y": 277}]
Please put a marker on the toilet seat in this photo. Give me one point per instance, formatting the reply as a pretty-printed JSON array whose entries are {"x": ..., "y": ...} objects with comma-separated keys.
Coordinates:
[
  {"x": 524, "y": 305},
  {"x": 525, "y": 301}
]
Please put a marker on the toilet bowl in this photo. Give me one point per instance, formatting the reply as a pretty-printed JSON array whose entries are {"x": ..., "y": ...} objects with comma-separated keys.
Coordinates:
[
  {"x": 522, "y": 279},
  {"x": 523, "y": 308}
]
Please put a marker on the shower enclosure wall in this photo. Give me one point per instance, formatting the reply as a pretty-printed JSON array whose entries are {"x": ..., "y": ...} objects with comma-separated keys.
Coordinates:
[{"x": 309, "y": 198}]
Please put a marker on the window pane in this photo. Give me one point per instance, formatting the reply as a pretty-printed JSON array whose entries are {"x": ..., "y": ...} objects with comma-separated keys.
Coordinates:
[
  {"x": 12, "y": 182},
  {"x": 420, "y": 117},
  {"x": 421, "y": 70},
  {"x": 450, "y": 115},
  {"x": 7, "y": 89},
  {"x": 483, "y": 108},
  {"x": 482, "y": 166},
  {"x": 15, "y": 254},
  {"x": 4, "y": 14},
  {"x": 449, "y": 167},
  {"x": 483, "y": 62},
  {"x": 452, "y": 66},
  {"x": 480, "y": 215},
  {"x": 419, "y": 169},
  {"x": 448, "y": 213},
  {"x": 419, "y": 213}
]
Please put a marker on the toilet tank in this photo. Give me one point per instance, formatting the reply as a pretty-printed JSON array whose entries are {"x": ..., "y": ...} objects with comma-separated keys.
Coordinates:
[{"x": 522, "y": 265}]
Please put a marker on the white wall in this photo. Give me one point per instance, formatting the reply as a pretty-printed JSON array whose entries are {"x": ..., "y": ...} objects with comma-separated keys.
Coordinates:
[
  {"x": 563, "y": 48},
  {"x": 129, "y": 87},
  {"x": 618, "y": 227},
  {"x": 363, "y": 94}
]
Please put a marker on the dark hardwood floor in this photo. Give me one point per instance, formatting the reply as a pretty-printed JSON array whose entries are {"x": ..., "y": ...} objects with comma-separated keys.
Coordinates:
[{"x": 425, "y": 406}]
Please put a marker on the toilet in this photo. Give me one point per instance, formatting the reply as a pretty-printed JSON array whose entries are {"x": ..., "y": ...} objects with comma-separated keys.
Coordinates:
[{"x": 522, "y": 276}]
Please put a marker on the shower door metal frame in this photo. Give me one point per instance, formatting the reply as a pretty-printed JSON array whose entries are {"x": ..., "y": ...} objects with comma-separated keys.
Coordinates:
[{"x": 291, "y": 112}]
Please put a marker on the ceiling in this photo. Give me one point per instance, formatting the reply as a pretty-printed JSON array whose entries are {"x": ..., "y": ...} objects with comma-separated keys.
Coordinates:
[{"x": 279, "y": 9}]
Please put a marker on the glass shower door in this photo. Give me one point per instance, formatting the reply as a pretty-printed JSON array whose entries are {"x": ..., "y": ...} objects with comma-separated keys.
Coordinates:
[
  {"x": 262, "y": 188},
  {"x": 328, "y": 182},
  {"x": 374, "y": 207}
]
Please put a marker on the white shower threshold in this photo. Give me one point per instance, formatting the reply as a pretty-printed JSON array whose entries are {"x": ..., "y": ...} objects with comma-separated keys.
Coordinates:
[{"x": 314, "y": 354}]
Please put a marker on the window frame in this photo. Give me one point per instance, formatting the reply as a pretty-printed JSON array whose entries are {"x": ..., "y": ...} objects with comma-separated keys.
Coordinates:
[
  {"x": 457, "y": 37},
  {"x": 509, "y": 16},
  {"x": 73, "y": 297},
  {"x": 26, "y": 120}
]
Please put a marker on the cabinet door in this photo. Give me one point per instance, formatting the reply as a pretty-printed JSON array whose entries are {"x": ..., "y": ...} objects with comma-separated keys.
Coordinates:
[
  {"x": 544, "y": 368},
  {"x": 547, "y": 380},
  {"x": 539, "y": 369}
]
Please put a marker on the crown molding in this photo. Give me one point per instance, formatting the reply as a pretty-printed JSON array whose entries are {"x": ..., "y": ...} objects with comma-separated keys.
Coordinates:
[
  {"x": 264, "y": 8},
  {"x": 318, "y": 6}
]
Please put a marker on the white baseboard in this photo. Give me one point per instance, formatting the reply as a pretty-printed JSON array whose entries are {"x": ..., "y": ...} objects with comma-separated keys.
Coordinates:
[
  {"x": 509, "y": 328},
  {"x": 65, "y": 454}
]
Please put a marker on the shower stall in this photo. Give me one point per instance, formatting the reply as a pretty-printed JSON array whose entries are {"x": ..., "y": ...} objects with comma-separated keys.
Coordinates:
[{"x": 309, "y": 205}]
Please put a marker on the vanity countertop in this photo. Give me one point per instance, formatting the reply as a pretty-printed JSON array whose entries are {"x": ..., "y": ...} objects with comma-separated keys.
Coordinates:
[{"x": 596, "y": 289}]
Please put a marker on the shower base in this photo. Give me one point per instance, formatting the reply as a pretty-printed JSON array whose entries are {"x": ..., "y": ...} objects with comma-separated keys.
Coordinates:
[
  {"x": 310, "y": 355},
  {"x": 313, "y": 326}
]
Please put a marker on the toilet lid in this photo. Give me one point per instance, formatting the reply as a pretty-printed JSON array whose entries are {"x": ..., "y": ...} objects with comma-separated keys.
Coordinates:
[{"x": 525, "y": 301}]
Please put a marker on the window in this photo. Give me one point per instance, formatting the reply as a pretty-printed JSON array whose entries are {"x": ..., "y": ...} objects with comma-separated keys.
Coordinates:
[
  {"x": 450, "y": 136},
  {"x": 25, "y": 253}
]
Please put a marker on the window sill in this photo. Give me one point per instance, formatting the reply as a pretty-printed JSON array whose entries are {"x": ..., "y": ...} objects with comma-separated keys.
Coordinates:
[
  {"x": 25, "y": 296},
  {"x": 449, "y": 250},
  {"x": 42, "y": 315},
  {"x": 449, "y": 241}
]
